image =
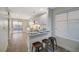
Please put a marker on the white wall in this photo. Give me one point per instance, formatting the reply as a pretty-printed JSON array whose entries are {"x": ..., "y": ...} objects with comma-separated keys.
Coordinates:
[
  {"x": 64, "y": 42},
  {"x": 3, "y": 30},
  {"x": 3, "y": 41},
  {"x": 68, "y": 44}
]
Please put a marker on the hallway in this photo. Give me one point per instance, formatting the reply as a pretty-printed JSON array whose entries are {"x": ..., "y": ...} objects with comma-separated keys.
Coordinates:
[{"x": 18, "y": 43}]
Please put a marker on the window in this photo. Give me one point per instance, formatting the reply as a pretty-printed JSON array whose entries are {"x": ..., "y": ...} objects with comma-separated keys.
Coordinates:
[
  {"x": 61, "y": 24},
  {"x": 67, "y": 25},
  {"x": 17, "y": 26},
  {"x": 73, "y": 20}
]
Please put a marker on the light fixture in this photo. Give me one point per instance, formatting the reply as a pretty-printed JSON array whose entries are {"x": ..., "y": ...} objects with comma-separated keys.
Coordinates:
[{"x": 34, "y": 26}]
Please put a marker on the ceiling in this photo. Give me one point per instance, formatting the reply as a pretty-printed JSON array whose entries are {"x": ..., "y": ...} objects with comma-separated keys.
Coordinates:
[{"x": 27, "y": 12}]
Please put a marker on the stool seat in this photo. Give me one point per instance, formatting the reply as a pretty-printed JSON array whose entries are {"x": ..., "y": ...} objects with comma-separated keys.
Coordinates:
[
  {"x": 37, "y": 45},
  {"x": 45, "y": 41}
]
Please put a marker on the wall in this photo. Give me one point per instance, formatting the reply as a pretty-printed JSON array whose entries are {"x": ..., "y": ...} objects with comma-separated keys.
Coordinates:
[
  {"x": 68, "y": 44},
  {"x": 3, "y": 30},
  {"x": 64, "y": 42},
  {"x": 3, "y": 41}
]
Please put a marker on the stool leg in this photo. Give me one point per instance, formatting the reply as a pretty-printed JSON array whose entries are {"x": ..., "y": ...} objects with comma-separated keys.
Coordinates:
[
  {"x": 36, "y": 49},
  {"x": 46, "y": 48},
  {"x": 32, "y": 49},
  {"x": 53, "y": 45},
  {"x": 42, "y": 47},
  {"x": 56, "y": 43}
]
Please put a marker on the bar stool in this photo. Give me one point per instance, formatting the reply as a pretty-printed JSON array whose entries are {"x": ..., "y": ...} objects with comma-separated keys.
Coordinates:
[
  {"x": 45, "y": 44},
  {"x": 37, "y": 46},
  {"x": 53, "y": 42}
]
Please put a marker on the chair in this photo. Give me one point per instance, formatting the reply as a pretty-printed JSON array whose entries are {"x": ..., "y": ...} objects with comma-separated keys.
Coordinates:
[
  {"x": 37, "y": 46},
  {"x": 46, "y": 42},
  {"x": 53, "y": 42}
]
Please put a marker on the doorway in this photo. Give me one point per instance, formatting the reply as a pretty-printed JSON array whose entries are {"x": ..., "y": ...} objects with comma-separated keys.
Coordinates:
[{"x": 17, "y": 36}]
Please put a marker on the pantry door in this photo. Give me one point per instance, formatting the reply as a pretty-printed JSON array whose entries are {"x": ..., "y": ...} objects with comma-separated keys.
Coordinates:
[{"x": 18, "y": 37}]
